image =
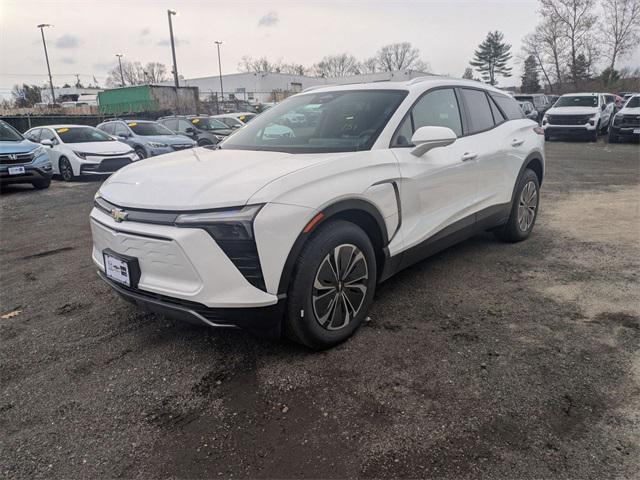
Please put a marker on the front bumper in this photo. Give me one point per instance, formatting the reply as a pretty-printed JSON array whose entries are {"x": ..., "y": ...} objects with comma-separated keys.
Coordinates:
[
  {"x": 31, "y": 174},
  {"x": 625, "y": 131},
  {"x": 95, "y": 165},
  {"x": 265, "y": 320},
  {"x": 573, "y": 131}
]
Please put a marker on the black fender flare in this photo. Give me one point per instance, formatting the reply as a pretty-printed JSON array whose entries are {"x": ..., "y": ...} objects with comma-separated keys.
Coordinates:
[
  {"x": 329, "y": 212},
  {"x": 533, "y": 157}
]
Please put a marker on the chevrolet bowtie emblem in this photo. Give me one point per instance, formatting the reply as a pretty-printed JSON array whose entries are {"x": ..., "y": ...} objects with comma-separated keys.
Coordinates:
[{"x": 119, "y": 215}]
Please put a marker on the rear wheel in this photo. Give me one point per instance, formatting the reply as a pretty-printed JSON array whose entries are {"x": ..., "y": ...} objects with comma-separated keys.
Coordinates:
[
  {"x": 524, "y": 210},
  {"x": 332, "y": 286},
  {"x": 66, "y": 171}
]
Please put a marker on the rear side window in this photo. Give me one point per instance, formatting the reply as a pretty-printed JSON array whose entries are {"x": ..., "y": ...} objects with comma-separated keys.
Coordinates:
[
  {"x": 107, "y": 128},
  {"x": 498, "y": 117},
  {"x": 509, "y": 106},
  {"x": 479, "y": 110}
]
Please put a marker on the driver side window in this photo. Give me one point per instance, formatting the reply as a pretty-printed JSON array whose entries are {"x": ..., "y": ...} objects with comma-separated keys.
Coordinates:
[{"x": 438, "y": 108}]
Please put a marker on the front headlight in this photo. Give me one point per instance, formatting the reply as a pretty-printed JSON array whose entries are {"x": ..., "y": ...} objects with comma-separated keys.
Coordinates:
[
  {"x": 157, "y": 145},
  {"x": 219, "y": 137},
  {"x": 227, "y": 224},
  {"x": 82, "y": 155},
  {"x": 39, "y": 151}
]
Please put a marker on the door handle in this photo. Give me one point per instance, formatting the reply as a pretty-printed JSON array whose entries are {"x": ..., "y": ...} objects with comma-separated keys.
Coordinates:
[
  {"x": 516, "y": 142},
  {"x": 469, "y": 156}
]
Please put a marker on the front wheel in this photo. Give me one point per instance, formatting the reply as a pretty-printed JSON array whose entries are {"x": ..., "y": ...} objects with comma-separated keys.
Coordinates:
[
  {"x": 524, "y": 210},
  {"x": 66, "y": 171},
  {"x": 332, "y": 286},
  {"x": 41, "y": 184},
  {"x": 140, "y": 152}
]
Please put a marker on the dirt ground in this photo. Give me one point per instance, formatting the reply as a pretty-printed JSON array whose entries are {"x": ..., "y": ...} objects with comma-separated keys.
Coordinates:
[{"x": 488, "y": 360}]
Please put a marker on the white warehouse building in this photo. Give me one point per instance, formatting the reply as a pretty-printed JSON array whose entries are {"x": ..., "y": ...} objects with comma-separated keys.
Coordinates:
[{"x": 269, "y": 87}]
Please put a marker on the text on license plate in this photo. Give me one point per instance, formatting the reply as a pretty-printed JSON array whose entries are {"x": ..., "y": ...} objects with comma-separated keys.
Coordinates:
[
  {"x": 636, "y": 130},
  {"x": 16, "y": 170},
  {"x": 117, "y": 270}
]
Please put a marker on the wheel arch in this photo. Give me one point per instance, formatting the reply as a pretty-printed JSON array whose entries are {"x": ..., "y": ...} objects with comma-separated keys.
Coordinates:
[{"x": 358, "y": 211}]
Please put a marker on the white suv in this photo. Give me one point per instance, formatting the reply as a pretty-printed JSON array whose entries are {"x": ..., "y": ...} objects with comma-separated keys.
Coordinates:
[
  {"x": 267, "y": 232},
  {"x": 581, "y": 114}
]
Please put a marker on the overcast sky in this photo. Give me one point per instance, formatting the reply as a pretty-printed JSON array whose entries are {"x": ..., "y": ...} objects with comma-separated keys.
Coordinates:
[{"x": 87, "y": 34}]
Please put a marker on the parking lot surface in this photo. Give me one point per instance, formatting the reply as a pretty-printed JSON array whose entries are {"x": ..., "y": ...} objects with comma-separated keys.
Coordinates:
[{"x": 488, "y": 360}]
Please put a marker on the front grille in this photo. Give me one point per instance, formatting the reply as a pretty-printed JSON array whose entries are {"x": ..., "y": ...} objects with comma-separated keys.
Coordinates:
[
  {"x": 113, "y": 164},
  {"x": 181, "y": 146},
  {"x": 630, "y": 121},
  {"x": 244, "y": 255},
  {"x": 568, "y": 119},
  {"x": 5, "y": 158}
]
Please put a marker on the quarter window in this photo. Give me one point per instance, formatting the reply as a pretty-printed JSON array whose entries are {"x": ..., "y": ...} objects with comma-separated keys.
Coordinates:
[
  {"x": 479, "y": 110},
  {"x": 498, "y": 117},
  {"x": 508, "y": 105},
  {"x": 438, "y": 108}
]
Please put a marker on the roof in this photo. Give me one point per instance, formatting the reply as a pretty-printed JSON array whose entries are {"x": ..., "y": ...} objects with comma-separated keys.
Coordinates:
[
  {"x": 65, "y": 125},
  {"x": 418, "y": 83},
  {"x": 581, "y": 94}
]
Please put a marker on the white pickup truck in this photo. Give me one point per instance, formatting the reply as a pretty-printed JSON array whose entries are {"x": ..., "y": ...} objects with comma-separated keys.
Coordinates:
[{"x": 578, "y": 114}]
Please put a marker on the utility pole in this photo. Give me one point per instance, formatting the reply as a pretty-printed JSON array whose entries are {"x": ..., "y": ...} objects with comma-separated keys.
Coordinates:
[
  {"x": 46, "y": 56},
  {"x": 119, "y": 55},
  {"x": 218, "y": 43},
  {"x": 170, "y": 13}
]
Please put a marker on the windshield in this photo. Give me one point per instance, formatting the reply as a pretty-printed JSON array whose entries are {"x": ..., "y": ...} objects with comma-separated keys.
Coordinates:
[
  {"x": 634, "y": 102},
  {"x": 231, "y": 122},
  {"x": 343, "y": 121},
  {"x": 206, "y": 123},
  {"x": 82, "y": 135},
  {"x": 8, "y": 133},
  {"x": 582, "y": 101},
  {"x": 149, "y": 128}
]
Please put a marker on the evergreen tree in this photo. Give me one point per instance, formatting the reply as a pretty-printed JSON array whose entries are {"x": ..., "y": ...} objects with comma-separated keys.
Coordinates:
[
  {"x": 491, "y": 57},
  {"x": 468, "y": 74},
  {"x": 530, "y": 79},
  {"x": 581, "y": 68}
]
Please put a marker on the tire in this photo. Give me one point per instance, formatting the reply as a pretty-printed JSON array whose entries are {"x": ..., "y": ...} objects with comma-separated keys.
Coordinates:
[
  {"x": 66, "y": 171},
  {"x": 526, "y": 202},
  {"x": 41, "y": 184},
  {"x": 204, "y": 143},
  {"x": 593, "y": 137},
  {"x": 315, "y": 289},
  {"x": 140, "y": 152}
]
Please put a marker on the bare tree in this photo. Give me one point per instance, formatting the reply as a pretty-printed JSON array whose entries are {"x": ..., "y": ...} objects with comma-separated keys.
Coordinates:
[
  {"x": 576, "y": 18},
  {"x": 621, "y": 29},
  {"x": 370, "y": 65},
  {"x": 293, "y": 69},
  {"x": 532, "y": 47},
  {"x": 400, "y": 56},
  {"x": 155, "y": 72},
  {"x": 337, "y": 66},
  {"x": 135, "y": 73}
]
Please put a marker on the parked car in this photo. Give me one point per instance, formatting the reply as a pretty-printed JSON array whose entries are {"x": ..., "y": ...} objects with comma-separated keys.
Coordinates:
[
  {"x": 294, "y": 233},
  {"x": 229, "y": 120},
  {"x": 79, "y": 150},
  {"x": 578, "y": 114},
  {"x": 539, "y": 101},
  {"x": 552, "y": 99},
  {"x": 21, "y": 160},
  {"x": 626, "y": 123},
  {"x": 201, "y": 128},
  {"x": 147, "y": 138},
  {"x": 529, "y": 110},
  {"x": 244, "y": 117}
]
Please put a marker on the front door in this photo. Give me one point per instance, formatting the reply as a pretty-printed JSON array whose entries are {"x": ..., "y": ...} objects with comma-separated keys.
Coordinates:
[{"x": 439, "y": 188}]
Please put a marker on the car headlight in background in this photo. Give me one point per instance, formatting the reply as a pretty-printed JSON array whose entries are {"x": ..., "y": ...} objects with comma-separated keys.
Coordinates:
[
  {"x": 223, "y": 225},
  {"x": 219, "y": 137},
  {"x": 82, "y": 155},
  {"x": 157, "y": 145}
]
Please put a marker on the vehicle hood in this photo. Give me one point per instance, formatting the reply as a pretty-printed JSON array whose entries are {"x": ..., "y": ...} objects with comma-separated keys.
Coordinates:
[
  {"x": 23, "y": 146},
  {"x": 222, "y": 131},
  {"x": 100, "y": 147},
  {"x": 200, "y": 178},
  {"x": 170, "y": 139},
  {"x": 630, "y": 111},
  {"x": 573, "y": 111}
]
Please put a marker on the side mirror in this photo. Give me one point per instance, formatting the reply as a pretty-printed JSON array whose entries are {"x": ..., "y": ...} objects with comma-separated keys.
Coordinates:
[
  {"x": 190, "y": 130},
  {"x": 47, "y": 143},
  {"x": 428, "y": 138},
  {"x": 123, "y": 136}
]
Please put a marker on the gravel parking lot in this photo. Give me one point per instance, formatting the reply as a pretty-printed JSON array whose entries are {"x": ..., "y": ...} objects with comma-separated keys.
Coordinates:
[{"x": 488, "y": 360}]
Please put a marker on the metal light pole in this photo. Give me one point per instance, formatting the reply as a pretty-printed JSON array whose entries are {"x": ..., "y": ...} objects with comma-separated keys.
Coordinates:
[
  {"x": 46, "y": 56},
  {"x": 218, "y": 43},
  {"x": 173, "y": 47},
  {"x": 119, "y": 55}
]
